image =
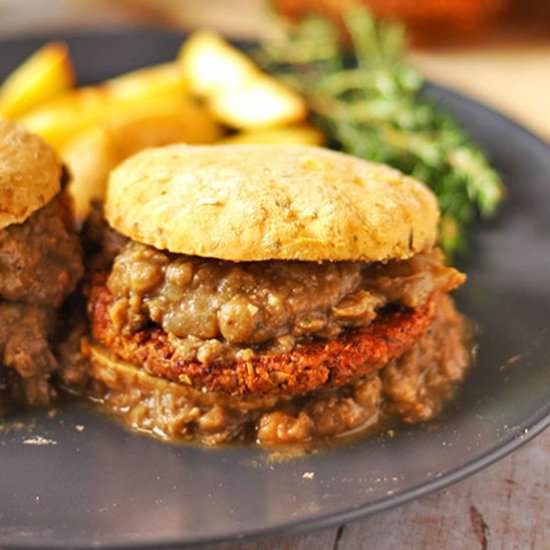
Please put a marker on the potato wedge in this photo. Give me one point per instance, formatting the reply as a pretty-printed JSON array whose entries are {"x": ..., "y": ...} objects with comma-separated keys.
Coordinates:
[
  {"x": 90, "y": 157},
  {"x": 125, "y": 97},
  {"x": 210, "y": 65},
  {"x": 41, "y": 77},
  {"x": 60, "y": 120},
  {"x": 297, "y": 135},
  {"x": 148, "y": 83},
  {"x": 237, "y": 92},
  {"x": 161, "y": 122},
  {"x": 261, "y": 103}
]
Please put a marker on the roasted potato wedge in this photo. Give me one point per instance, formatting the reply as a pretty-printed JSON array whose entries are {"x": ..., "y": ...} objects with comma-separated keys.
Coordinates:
[
  {"x": 60, "y": 120},
  {"x": 164, "y": 80},
  {"x": 210, "y": 65},
  {"x": 261, "y": 103},
  {"x": 236, "y": 91},
  {"x": 146, "y": 95},
  {"x": 161, "y": 122},
  {"x": 298, "y": 135},
  {"x": 90, "y": 157},
  {"x": 41, "y": 77}
]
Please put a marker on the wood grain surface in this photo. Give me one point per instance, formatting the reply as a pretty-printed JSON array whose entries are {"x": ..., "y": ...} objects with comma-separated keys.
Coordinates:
[{"x": 504, "y": 507}]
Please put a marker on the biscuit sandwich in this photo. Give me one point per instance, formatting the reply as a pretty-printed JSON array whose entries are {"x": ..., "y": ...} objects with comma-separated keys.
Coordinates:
[
  {"x": 277, "y": 293},
  {"x": 40, "y": 263}
]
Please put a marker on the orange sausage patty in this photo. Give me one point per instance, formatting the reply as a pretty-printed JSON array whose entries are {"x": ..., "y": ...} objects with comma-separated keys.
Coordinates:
[{"x": 309, "y": 366}]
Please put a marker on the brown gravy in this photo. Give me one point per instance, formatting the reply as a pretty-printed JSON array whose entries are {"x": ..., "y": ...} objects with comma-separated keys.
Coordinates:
[
  {"x": 217, "y": 308},
  {"x": 412, "y": 389}
]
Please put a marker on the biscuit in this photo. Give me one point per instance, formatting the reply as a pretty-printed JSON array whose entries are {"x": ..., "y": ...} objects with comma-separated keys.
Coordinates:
[
  {"x": 30, "y": 173},
  {"x": 270, "y": 202}
]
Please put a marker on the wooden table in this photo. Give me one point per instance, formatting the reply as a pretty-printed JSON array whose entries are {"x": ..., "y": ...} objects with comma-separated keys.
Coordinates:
[{"x": 504, "y": 507}]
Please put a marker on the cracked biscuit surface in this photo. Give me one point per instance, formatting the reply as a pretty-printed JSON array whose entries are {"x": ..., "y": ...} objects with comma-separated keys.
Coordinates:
[{"x": 267, "y": 202}]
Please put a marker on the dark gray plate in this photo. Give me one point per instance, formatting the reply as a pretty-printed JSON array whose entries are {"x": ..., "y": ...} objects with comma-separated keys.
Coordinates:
[{"x": 104, "y": 486}]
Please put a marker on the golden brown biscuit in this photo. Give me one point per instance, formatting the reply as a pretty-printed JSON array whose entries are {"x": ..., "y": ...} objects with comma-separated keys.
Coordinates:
[
  {"x": 265, "y": 202},
  {"x": 30, "y": 173}
]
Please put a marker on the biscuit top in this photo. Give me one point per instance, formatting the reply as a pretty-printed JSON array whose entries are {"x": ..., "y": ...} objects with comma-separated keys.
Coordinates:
[
  {"x": 267, "y": 202},
  {"x": 30, "y": 173}
]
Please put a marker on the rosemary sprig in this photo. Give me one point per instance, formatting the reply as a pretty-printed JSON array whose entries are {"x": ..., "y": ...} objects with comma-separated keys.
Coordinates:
[{"x": 368, "y": 100}]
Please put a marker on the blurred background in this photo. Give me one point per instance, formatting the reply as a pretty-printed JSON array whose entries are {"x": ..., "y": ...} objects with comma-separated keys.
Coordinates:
[{"x": 495, "y": 50}]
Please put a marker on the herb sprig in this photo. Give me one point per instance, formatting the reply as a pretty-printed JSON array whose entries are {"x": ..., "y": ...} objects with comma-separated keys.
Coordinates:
[{"x": 367, "y": 99}]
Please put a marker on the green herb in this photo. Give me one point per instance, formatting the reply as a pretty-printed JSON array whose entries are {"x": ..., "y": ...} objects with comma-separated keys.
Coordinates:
[{"x": 368, "y": 100}]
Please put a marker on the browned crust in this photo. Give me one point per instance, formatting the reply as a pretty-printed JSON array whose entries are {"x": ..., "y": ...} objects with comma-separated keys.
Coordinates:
[
  {"x": 309, "y": 366},
  {"x": 270, "y": 202}
]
